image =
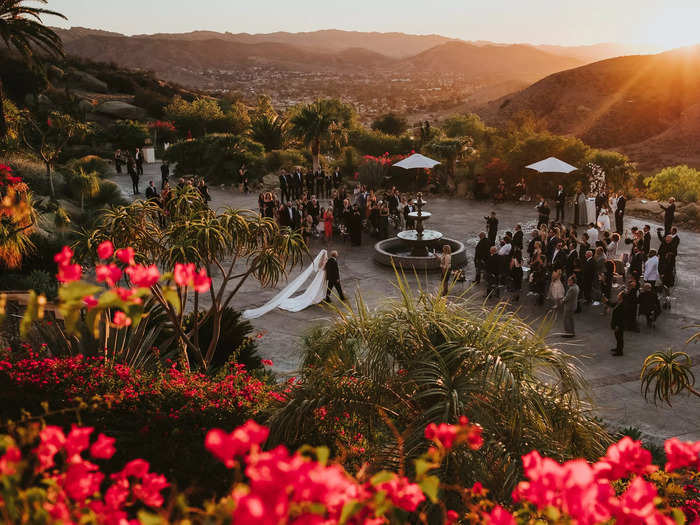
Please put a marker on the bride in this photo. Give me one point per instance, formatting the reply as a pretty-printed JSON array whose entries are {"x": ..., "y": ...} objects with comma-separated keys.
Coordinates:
[
  {"x": 604, "y": 220},
  {"x": 314, "y": 294}
]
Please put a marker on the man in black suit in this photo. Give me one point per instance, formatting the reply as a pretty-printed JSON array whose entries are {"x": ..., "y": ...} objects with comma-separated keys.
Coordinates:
[
  {"x": 518, "y": 238},
  {"x": 669, "y": 214},
  {"x": 559, "y": 257},
  {"x": 493, "y": 268},
  {"x": 284, "y": 186},
  {"x": 620, "y": 214},
  {"x": 617, "y": 323},
  {"x": 560, "y": 201},
  {"x": 647, "y": 240},
  {"x": 481, "y": 253},
  {"x": 589, "y": 274},
  {"x": 492, "y": 227},
  {"x": 333, "y": 277}
]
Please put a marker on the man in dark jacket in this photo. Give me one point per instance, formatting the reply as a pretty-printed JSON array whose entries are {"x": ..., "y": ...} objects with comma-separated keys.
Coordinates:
[
  {"x": 620, "y": 214},
  {"x": 492, "y": 227},
  {"x": 669, "y": 214},
  {"x": 333, "y": 277},
  {"x": 617, "y": 323},
  {"x": 493, "y": 268},
  {"x": 589, "y": 274},
  {"x": 284, "y": 186},
  {"x": 560, "y": 200},
  {"x": 481, "y": 253},
  {"x": 518, "y": 238}
]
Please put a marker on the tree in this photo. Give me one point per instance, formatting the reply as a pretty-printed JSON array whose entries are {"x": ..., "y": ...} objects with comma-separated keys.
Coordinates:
[
  {"x": 452, "y": 150},
  {"x": 667, "y": 374},
  {"x": 21, "y": 29},
  {"x": 233, "y": 246},
  {"x": 468, "y": 125},
  {"x": 269, "y": 130},
  {"x": 391, "y": 124},
  {"x": 128, "y": 134},
  {"x": 47, "y": 138},
  {"x": 193, "y": 118},
  {"x": 88, "y": 184},
  {"x": 680, "y": 182},
  {"x": 323, "y": 123},
  {"x": 17, "y": 219}
]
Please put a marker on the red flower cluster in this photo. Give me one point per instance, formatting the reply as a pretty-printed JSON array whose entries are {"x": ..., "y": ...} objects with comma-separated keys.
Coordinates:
[
  {"x": 585, "y": 492},
  {"x": 6, "y": 177},
  {"x": 447, "y": 436},
  {"x": 162, "y": 125},
  {"x": 186, "y": 275},
  {"x": 76, "y": 486},
  {"x": 289, "y": 488},
  {"x": 67, "y": 270},
  {"x": 384, "y": 160},
  {"x": 681, "y": 454}
]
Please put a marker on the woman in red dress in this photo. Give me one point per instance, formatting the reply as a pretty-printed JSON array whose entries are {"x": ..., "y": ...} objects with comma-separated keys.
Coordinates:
[{"x": 328, "y": 222}]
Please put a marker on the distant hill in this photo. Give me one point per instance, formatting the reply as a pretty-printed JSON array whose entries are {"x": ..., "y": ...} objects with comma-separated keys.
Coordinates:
[
  {"x": 497, "y": 63},
  {"x": 637, "y": 103},
  {"x": 590, "y": 53}
]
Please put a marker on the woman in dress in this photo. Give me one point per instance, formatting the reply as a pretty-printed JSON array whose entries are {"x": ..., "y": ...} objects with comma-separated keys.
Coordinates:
[
  {"x": 445, "y": 267},
  {"x": 328, "y": 222},
  {"x": 604, "y": 220},
  {"x": 556, "y": 290}
]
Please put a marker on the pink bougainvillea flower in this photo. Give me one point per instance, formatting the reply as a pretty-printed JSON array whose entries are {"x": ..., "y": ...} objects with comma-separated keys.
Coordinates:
[
  {"x": 500, "y": 516},
  {"x": 68, "y": 273},
  {"x": 186, "y": 275},
  {"x": 478, "y": 489},
  {"x": 52, "y": 440},
  {"x": 120, "y": 319},
  {"x": 227, "y": 446},
  {"x": 103, "y": 447},
  {"x": 108, "y": 273},
  {"x": 82, "y": 480},
  {"x": 680, "y": 454},
  {"x": 77, "y": 440},
  {"x": 9, "y": 460},
  {"x": 267, "y": 362},
  {"x": 403, "y": 494},
  {"x": 64, "y": 257},
  {"x": 136, "y": 468},
  {"x": 623, "y": 458},
  {"x": 148, "y": 491},
  {"x": 443, "y": 434},
  {"x": 90, "y": 302},
  {"x": 126, "y": 255},
  {"x": 143, "y": 276},
  {"x": 105, "y": 250}
]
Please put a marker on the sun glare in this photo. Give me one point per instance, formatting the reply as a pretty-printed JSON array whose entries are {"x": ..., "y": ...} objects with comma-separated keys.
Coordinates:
[{"x": 673, "y": 28}]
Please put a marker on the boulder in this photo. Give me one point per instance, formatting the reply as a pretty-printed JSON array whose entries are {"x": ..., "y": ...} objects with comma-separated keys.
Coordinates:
[
  {"x": 55, "y": 72},
  {"x": 43, "y": 100},
  {"x": 88, "y": 81},
  {"x": 121, "y": 110},
  {"x": 85, "y": 106}
]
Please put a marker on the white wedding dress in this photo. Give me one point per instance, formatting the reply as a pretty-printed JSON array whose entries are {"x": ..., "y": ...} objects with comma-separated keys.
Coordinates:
[{"x": 314, "y": 294}]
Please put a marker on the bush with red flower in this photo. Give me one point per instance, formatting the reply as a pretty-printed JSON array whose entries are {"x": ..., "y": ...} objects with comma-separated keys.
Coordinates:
[{"x": 17, "y": 218}]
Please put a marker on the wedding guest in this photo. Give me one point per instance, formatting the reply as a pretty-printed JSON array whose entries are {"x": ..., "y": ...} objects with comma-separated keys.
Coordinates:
[
  {"x": 492, "y": 227},
  {"x": 617, "y": 324},
  {"x": 118, "y": 161},
  {"x": 651, "y": 269},
  {"x": 164, "y": 174},
  {"x": 481, "y": 253},
  {"x": 518, "y": 237},
  {"x": 516, "y": 273},
  {"x": 560, "y": 201},
  {"x": 620, "y": 213},
  {"x": 151, "y": 192},
  {"x": 133, "y": 174},
  {"x": 649, "y": 305},
  {"x": 333, "y": 277},
  {"x": 328, "y": 222},
  {"x": 542, "y": 213},
  {"x": 139, "y": 161},
  {"x": 445, "y": 267},
  {"x": 669, "y": 214},
  {"x": 556, "y": 290},
  {"x": 570, "y": 306}
]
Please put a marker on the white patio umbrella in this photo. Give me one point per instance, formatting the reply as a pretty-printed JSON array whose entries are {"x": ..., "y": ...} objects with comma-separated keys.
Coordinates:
[
  {"x": 552, "y": 165},
  {"x": 417, "y": 161}
]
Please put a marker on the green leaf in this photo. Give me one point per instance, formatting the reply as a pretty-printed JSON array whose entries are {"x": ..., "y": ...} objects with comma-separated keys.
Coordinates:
[
  {"x": 172, "y": 297},
  {"x": 423, "y": 466},
  {"x": 430, "y": 486},
  {"x": 678, "y": 516},
  {"x": 350, "y": 508},
  {"x": 148, "y": 518},
  {"x": 322, "y": 455},
  {"x": 76, "y": 291},
  {"x": 381, "y": 477}
]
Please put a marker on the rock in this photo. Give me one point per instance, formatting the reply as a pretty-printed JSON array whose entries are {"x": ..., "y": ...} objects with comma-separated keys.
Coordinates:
[
  {"x": 121, "y": 110},
  {"x": 88, "y": 81},
  {"x": 270, "y": 181},
  {"x": 43, "y": 100},
  {"x": 55, "y": 72},
  {"x": 85, "y": 106}
]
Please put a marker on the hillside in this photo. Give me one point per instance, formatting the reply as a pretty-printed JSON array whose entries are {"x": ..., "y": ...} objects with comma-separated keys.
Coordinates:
[
  {"x": 497, "y": 63},
  {"x": 643, "y": 100}
]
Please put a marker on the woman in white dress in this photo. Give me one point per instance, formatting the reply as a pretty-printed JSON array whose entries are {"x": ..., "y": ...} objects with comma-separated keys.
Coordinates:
[
  {"x": 613, "y": 203},
  {"x": 604, "y": 220},
  {"x": 556, "y": 290}
]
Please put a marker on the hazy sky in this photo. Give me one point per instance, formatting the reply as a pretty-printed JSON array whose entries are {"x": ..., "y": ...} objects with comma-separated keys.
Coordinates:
[{"x": 660, "y": 23}]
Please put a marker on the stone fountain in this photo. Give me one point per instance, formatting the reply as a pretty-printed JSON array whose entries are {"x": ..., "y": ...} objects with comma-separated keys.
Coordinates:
[{"x": 411, "y": 249}]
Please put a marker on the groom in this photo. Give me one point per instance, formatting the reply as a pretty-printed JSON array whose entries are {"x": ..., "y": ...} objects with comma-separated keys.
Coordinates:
[{"x": 333, "y": 277}]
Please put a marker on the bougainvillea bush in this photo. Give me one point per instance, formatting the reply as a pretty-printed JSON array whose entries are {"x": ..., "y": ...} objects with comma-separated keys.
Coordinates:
[
  {"x": 49, "y": 475},
  {"x": 162, "y": 415}
]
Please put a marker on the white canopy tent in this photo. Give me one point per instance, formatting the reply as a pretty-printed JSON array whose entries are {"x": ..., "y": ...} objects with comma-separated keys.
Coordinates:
[
  {"x": 417, "y": 161},
  {"x": 552, "y": 165}
]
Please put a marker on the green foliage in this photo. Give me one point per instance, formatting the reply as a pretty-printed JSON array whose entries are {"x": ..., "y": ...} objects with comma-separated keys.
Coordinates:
[
  {"x": 268, "y": 130},
  {"x": 680, "y": 182},
  {"x": 40, "y": 281},
  {"x": 420, "y": 359},
  {"x": 151, "y": 101},
  {"x": 89, "y": 163},
  {"x": 368, "y": 142},
  {"x": 127, "y": 134},
  {"x": 217, "y": 157},
  {"x": 204, "y": 115},
  {"x": 667, "y": 374},
  {"x": 391, "y": 124},
  {"x": 467, "y": 125},
  {"x": 287, "y": 159},
  {"x": 620, "y": 173}
]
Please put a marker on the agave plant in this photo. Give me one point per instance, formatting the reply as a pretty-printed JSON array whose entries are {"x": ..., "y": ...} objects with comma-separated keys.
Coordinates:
[
  {"x": 667, "y": 374},
  {"x": 420, "y": 360}
]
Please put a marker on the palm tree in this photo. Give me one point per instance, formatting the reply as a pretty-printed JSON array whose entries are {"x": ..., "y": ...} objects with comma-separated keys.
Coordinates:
[
  {"x": 21, "y": 29},
  {"x": 269, "y": 130},
  {"x": 88, "y": 184},
  {"x": 668, "y": 373},
  {"x": 419, "y": 360},
  {"x": 318, "y": 123}
]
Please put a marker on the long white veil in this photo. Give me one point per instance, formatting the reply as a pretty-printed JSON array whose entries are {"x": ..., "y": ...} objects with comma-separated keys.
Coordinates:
[{"x": 314, "y": 294}]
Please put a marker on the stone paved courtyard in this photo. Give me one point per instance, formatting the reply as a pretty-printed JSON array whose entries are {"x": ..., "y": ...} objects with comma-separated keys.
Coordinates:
[{"x": 615, "y": 386}]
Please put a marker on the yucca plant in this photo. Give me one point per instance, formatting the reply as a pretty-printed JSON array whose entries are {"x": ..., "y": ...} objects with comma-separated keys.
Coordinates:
[
  {"x": 88, "y": 184},
  {"x": 421, "y": 359},
  {"x": 667, "y": 374}
]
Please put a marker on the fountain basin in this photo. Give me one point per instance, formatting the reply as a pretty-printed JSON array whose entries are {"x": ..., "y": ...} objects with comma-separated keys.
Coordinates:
[{"x": 399, "y": 252}]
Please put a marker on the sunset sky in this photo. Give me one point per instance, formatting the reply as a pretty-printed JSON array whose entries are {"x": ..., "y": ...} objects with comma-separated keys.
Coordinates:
[{"x": 661, "y": 24}]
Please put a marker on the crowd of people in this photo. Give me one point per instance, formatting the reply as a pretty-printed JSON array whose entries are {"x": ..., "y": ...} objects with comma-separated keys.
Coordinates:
[
  {"x": 568, "y": 267},
  {"x": 133, "y": 161}
]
